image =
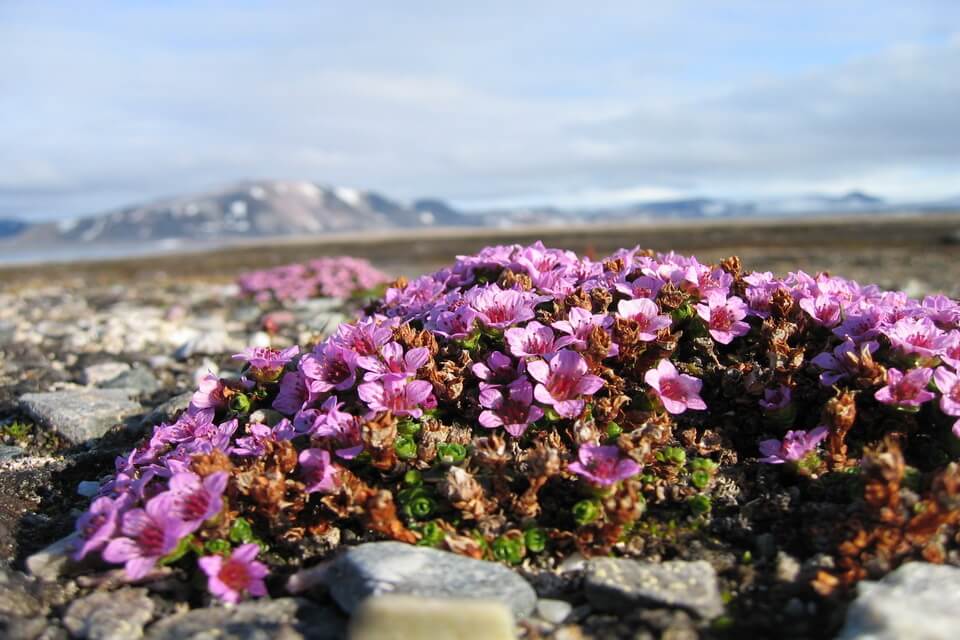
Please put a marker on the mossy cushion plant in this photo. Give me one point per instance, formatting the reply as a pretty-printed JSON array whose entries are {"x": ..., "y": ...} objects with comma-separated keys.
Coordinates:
[{"x": 526, "y": 403}]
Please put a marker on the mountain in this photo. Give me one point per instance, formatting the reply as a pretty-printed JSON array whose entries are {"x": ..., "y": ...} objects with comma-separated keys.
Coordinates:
[
  {"x": 247, "y": 209},
  {"x": 9, "y": 227}
]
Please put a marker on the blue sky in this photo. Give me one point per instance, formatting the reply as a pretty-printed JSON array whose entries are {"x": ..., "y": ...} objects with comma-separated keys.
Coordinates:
[{"x": 110, "y": 103}]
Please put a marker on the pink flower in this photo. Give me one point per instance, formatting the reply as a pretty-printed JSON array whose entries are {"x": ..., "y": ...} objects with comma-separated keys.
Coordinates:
[
  {"x": 292, "y": 395},
  {"x": 948, "y": 382},
  {"x": 906, "y": 389},
  {"x": 266, "y": 363},
  {"x": 343, "y": 428},
  {"x": 646, "y": 314},
  {"x": 603, "y": 465},
  {"x": 534, "y": 339},
  {"x": 98, "y": 524},
  {"x": 319, "y": 473},
  {"x": 846, "y": 360},
  {"x": 254, "y": 443},
  {"x": 193, "y": 500},
  {"x": 366, "y": 336},
  {"x": 824, "y": 309},
  {"x": 209, "y": 393},
  {"x": 399, "y": 396},
  {"x": 392, "y": 360},
  {"x": 724, "y": 317},
  {"x": 641, "y": 287},
  {"x": 919, "y": 336},
  {"x": 563, "y": 381},
  {"x": 148, "y": 535},
  {"x": 677, "y": 391},
  {"x": 497, "y": 370},
  {"x": 578, "y": 326},
  {"x": 498, "y": 309},
  {"x": 514, "y": 411},
  {"x": 329, "y": 367},
  {"x": 795, "y": 446},
  {"x": 228, "y": 579},
  {"x": 776, "y": 399}
]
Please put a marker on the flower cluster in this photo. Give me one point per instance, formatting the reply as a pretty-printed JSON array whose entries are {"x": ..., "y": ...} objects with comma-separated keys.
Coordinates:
[
  {"x": 526, "y": 394},
  {"x": 335, "y": 277}
]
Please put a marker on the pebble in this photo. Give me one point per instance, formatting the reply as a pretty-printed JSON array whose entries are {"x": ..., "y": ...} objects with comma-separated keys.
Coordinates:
[
  {"x": 52, "y": 561},
  {"x": 81, "y": 414},
  {"x": 8, "y": 452},
  {"x": 115, "y": 615},
  {"x": 918, "y": 601},
  {"x": 168, "y": 411},
  {"x": 391, "y": 617},
  {"x": 16, "y": 600},
  {"x": 268, "y": 619},
  {"x": 553, "y": 611},
  {"x": 618, "y": 585},
  {"x": 97, "y": 374},
  {"x": 140, "y": 379},
  {"x": 379, "y": 568},
  {"x": 787, "y": 567}
]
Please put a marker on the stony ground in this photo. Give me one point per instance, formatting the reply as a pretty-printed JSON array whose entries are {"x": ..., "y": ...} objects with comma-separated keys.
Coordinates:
[{"x": 85, "y": 371}]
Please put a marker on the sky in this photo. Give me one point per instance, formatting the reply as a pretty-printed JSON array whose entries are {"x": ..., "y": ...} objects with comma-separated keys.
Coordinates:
[{"x": 105, "y": 104}]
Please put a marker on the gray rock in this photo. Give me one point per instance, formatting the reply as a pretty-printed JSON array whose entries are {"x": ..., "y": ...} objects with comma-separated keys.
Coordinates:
[
  {"x": 139, "y": 379},
  {"x": 10, "y": 453},
  {"x": 82, "y": 414},
  {"x": 787, "y": 567},
  {"x": 117, "y": 615},
  {"x": 617, "y": 585},
  {"x": 553, "y": 611},
  {"x": 53, "y": 561},
  {"x": 168, "y": 411},
  {"x": 212, "y": 342},
  {"x": 379, "y": 568},
  {"x": 16, "y": 598},
  {"x": 918, "y": 601},
  {"x": 280, "y": 619},
  {"x": 99, "y": 373},
  {"x": 413, "y": 618}
]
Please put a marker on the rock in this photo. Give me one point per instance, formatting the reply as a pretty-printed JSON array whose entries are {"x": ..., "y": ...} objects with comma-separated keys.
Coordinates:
[
  {"x": 16, "y": 599},
  {"x": 394, "y": 616},
  {"x": 139, "y": 379},
  {"x": 918, "y": 601},
  {"x": 213, "y": 342},
  {"x": 117, "y": 615},
  {"x": 10, "y": 453},
  {"x": 617, "y": 585},
  {"x": 82, "y": 414},
  {"x": 104, "y": 371},
  {"x": 168, "y": 411},
  {"x": 280, "y": 619},
  {"x": 916, "y": 288},
  {"x": 88, "y": 488},
  {"x": 553, "y": 611},
  {"x": 787, "y": 567},
  {"x": 379, "y": 568},
  {"x": 52, "y": 562}
]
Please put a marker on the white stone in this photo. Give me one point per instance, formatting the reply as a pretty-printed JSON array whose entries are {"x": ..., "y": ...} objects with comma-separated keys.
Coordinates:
[{"x": 394, "y": 617}]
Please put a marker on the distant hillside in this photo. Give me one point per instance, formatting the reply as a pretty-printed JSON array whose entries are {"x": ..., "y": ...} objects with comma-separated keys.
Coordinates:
[{"x": 247, "y": 209}]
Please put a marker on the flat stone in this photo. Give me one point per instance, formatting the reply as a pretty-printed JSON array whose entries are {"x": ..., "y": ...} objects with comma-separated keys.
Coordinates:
[
  {"x": 379, "y": 568},
  {"x": 140, "y": 379},
  {"x": 617, "y": 585},
  {"x": 279, "y": 619},
  {"x": 392, "y": 617},
  {"x": 82, "y": 414},
  {"x": 16, "y": 599},
  {"x": 53, "y": 561},
  {"x": 918, "y": 601},
  {"x": 102, "y": 372},
  {"x": 115, "y": 615},
  {"x": 553, "y": 611},
  {"x": 8, "y": 452}
]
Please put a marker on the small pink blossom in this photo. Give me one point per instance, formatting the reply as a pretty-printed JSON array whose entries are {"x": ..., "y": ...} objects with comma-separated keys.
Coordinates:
[
  {"x": 512, "y": 410},
  {"x": 266, "y": 364},
  {"x": 677, "y": 391},
  {"x": 98, "y": 524},
  {"x": 579, "y": 325},
  {"x": 399, "y": 396},
  {"x": 948, "y": 382},
  {"x": 724, "y": 317},
  {"x": 318, "y": 472},
  {"x": 209, "y": 393},
  {"x": 646, "y": 314},
  {"x": 563, "y": 381},
  {"x": 823, "y": 309},
  {"x": 497, "y": 370},
  {"x": 229, "y": 578},
  {"x": 148, "y": 535},
  {"x": 918, "y": 336},
  {"x": 906, "y": 389},
  {"x": 602, "y": 465},
  {"x": 330, "y": 367},
  {"x": 776, "y": 399},
  {"x": 193, "y": 500},
  {"x": 292, "y": 394},
  {"x": 794, "y": 446},
  {"x": 534, "y": 339},
  {"x": 392, "y": 360}
]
